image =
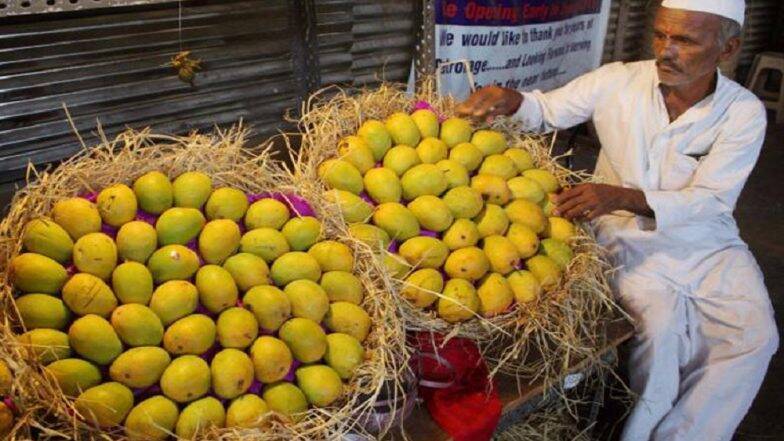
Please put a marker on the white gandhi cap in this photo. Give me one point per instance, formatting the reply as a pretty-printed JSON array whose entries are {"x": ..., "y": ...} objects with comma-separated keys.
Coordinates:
[{"x": 732, "y": 9}]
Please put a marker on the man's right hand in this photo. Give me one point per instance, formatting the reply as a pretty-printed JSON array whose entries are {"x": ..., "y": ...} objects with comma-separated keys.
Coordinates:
[{"x": 489, "y": 102}]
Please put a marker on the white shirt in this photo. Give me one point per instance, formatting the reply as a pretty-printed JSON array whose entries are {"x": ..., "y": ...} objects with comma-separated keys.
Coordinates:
[{"x": 691, "y": 170}]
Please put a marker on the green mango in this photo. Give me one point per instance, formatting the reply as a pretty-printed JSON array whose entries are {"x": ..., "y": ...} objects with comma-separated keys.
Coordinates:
[
  {"x": 42, "y": 311},
  {"x": 455, "y": 131},
  {"x": 424, "y": 252},
  {"x": 231, "y": 372},
  {"x": 295, "y": 265},
  {"x": 186, "y": 378},
  {"x": 490, "y": 142},
  {"x": 467, "y": 155},
  {"x": 106, "y": 405},
  {"x": 269, "y": 304},
  {"x": 305, "y": 338},
  {"x": 267, "y": 243},
  {"x": 154, "y": 192},
  {"x": 246, "y": 411},
  {"x": 468, "y": 263},
  {"x": 422, "y": 286},
  {"x": 35, "y": 273},
  {"x": 396, "y": 220},
  {"x": 219, "y": 240},
  {"x": 341, "y": 175},
  {"x": 96, "y": 254},
  {"x": 332, "y": 256},
  {"x": 47, "y": 345},
  {"x": 308, "y": 300},
  {"x": 459, "y": 301},
  {"x": 401, "y": 158},
  {"x": 191, "y": 190},
  {"x": 423, "y": 179},
  {"x": 302, "y": 232},
  {"x": 152, "y": 419},
  {"x": 237, "y": 328},
  {"x": 342, "y": 286},
  {"x": 140, "y": 367},
  {"x": 370, "y": 235},
  {"x": 463, "y": 233},
  {"x": 43, "y": 236},
  {"x": 267, "y": 213},
  {"x": 545, "y": 269},
  {"x": 383, "y": 185},
  {"x": 522, "y": 159},
  {"x": 137, "y": 325},
  {"x": 546, "y": 180},
  {"x": 524, "y": 286},
  {"x": 432, "y": 213},
  {"x": 344, "y": 354},
  {"x": 395, "y": 265},
  {"x": 94, "y": 338},
  {"x": 431, "y": 150},
  {"x": 247, "y": 270},
  {"x": 427, "y": 122},
  {"x": 464, "y": 202},
  {"x": 74, "y": 375},
  {"x": 402, "y": 128},
  {"x": 86, "y": 294},
  {"x": 354, "y": 150},
  {"x": 348, "y": 318},
  {"x": 498, "y": 165},
  {"x": 320, "y": 384},
  {"x": 132, "y": 283},
  {"x": 77, "y": 216},
  {"x": 226, "y": 203},
  {"x": 526, "y": 188},
  {"x": 495, "y": 295},
  {"x": 174, "y": 300},
  {"x": 179, "y": 225},
  {"x": 217, "y": 289},
  {"x": 271, "y": 359},
  {"x": 352, "y": 207},
  {"x": 501, "y": 253},
  {"x": 376, "y": 136},
  {"x": 558, "y": 251},
  {"x": 199, "y": 416},
  {"x": 117, "y": 205},
  {"x": 136, "y": 241},
  {"x": 287, "y": 399},
  {"x": 173, "y": 262},
  {"x": 456, "y": 175},
  {"x": 193, "y": 334}
]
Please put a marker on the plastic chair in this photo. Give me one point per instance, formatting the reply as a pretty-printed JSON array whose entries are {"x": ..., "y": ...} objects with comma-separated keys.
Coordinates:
[{"x": 764, "y": 63}]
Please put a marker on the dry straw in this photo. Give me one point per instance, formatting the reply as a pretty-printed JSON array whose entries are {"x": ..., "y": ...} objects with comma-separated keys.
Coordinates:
[
  {"x": 47, "y": 414},
  {"x": 535, "y": 341}
]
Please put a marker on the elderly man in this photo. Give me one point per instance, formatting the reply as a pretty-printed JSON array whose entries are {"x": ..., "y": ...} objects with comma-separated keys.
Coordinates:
[{"x": 678, "y": 142}]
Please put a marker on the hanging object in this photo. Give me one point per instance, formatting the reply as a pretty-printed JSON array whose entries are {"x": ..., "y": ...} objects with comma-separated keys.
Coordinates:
[{"x": 186, "y": 66}]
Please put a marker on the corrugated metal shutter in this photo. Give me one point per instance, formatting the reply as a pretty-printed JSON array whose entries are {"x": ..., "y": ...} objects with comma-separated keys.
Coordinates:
[
  {"x": 612, "y": 31},
  {"x": 630, "y": 33},
  {"x": 334, "y": 24},
  {"x": 759, "y": 30}
]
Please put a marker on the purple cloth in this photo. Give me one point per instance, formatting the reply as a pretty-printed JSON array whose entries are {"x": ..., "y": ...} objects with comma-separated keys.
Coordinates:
[
  {"x": 393, "y": 246},
  {"x": 144, "y": 216},
  {"x": 109, "y": 230},
  {"x": 428, "y": 233},
  {"x": 366, "y": 197},
  {"x": 91, "y": 196},
  {"x": 290, "y": 376}
]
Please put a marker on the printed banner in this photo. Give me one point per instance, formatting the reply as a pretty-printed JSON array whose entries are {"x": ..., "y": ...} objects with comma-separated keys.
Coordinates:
[{"x": 520, "y": 44}]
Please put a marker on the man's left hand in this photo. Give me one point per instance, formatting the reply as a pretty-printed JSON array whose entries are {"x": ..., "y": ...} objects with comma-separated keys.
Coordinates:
[{"x": 589, "y": 201}]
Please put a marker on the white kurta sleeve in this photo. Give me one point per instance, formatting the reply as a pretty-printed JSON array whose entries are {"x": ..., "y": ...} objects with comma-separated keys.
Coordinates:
[
  {"x": 720, "y": 175},
  {"x": 569, "y": 105}
]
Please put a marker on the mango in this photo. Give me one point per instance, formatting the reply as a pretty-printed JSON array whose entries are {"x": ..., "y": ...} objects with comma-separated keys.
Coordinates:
[
  {"x": 173, "y": 300},
  {"x": 421, "y": 180},
  {"x": 117, "y": 205},
  {"x": 424, "y": 252},
  {"x": 152, "y": 419},
  {"x": 136, "y": 241},
  {"x": 468, "y": 263},
  {"x": 286, "y": 399},
  {"x": 191, "y": 190},
  {"x": 6, "y": 379},
  {"x": 422, "y": 286},
  {"x": 193, "y": 334},
  {"x": 427, "y": 122},
  {"x": 403, "y": 129},
  {"x": 74, "y": 375},
  {"x": 547, "y": 180},
  {"x": 199, "y": 417},
  {"x": 558, "y": 251},
  {"x": 524, "y": 286},
  {"x": 270, "y": 306},
  {"x": 395, "y": 264},
  {"x": 172, "y": 262},
  {"x": 96, "y": 254},
  {"x": 140, "y": 367},
  {"x": 456, "y": 175},
  {"x": 47, "y": 345},
  {"x": 545, "y": 269},
  {"x": 526, "y": 188},
  {"x": 348, "y": 318},
  {"x": 560, "y": 229},
  {"x": 431, "y": 150},
  {"x": 294, "y": 266},
  {"x": 495, "y": 295},
  {"x": 396, "y": 220},
  {"x": 464, "y": 202},
  {"x": 94, "y": 338},
  {"x": 491, "y": 220},
  {"x": 376, "y": 136},
  {"x": 383, "y": 185},
  {"x": 154, "y": 192},
  {"x": 308, "y": 300},
  {"x": 524, "y": 239},
  {"x": 271, "y": 359},
  {"x": 132, "y": 283},
  {"x": 355, "y": 151},
  {"x": 463, "y": 233},
  {"x": 522, "y": 159},
  {"x": 267, "y": 213},
  {"x": 492, "y": 188},
  {"x": 489, "y": 142},
  {"x": 401, "y": 158},
  {"x": 305, "y": 338},
  {"x": 246, "y": 411},
  {"x": 455, "y": 131},
  {"x": 302, "y": 232},
  {"x": 232, "y": 373},
  {"x": 459, "y": 301},
  {"x": 6, "y": 420},
  {"x": 43, "y": 236},
  {"x": 248, "y": 270},
  {"x": 86, "y": 294},
  {"x": 467, "y": 155},
  {"x": 352, "y": 207},
  {"x": 186, "y": 378},
  {"x": 527, "y": 213},
  {"x": 137, "y": 325},
  {"x": 332, "y": 256},
  {"x": 217, "y": 289},
  {"x": 237, "y": 328},
  {"x": 344, "y": 354},
  {"x": 341, "y": 175},
  {"x": 501, "y": 253},
  {"x": 218, "y": 240},
  {"x": 342, "y": 286},
  {"x": 264, "y": 242},
  {"x": 498, "y": 165},
  {"x": 105, "y": 405},
  {"x": 548, "y": 206},
  {"x": 370, "y": 235},
  {"x": 226, "y": 203},
  {"x": 77, "y": 216},
  {"x": 431, "y": 212},
  {"x": 42, "y": 311},
  {"x": 179, "y": 225},
  {"x": 320, "y": 384}
]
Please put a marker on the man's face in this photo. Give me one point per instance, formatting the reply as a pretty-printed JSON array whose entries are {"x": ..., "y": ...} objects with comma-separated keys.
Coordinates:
[{"x": 686, "y": 45}]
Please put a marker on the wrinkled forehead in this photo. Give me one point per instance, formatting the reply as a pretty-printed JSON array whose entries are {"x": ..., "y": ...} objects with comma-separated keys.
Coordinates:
[{"x": 680, "y": 22}]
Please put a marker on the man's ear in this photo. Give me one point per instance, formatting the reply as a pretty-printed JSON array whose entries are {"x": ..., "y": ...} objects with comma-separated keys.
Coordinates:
[{"x": 731, "y": 47}]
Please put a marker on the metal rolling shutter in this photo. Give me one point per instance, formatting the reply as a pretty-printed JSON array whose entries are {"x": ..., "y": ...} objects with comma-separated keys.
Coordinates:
[{"x": 759, "y": 30}]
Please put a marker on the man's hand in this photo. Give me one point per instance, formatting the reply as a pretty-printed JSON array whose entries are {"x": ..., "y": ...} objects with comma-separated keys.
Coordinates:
[
  {"x": 489, "y": 102},
  {"x": 589, "y": 201}
]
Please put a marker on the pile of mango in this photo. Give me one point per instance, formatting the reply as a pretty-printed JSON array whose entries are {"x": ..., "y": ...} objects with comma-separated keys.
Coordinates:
[
  {"x": 466, "y": 219},
  {"x": 176, "y": 306}
]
